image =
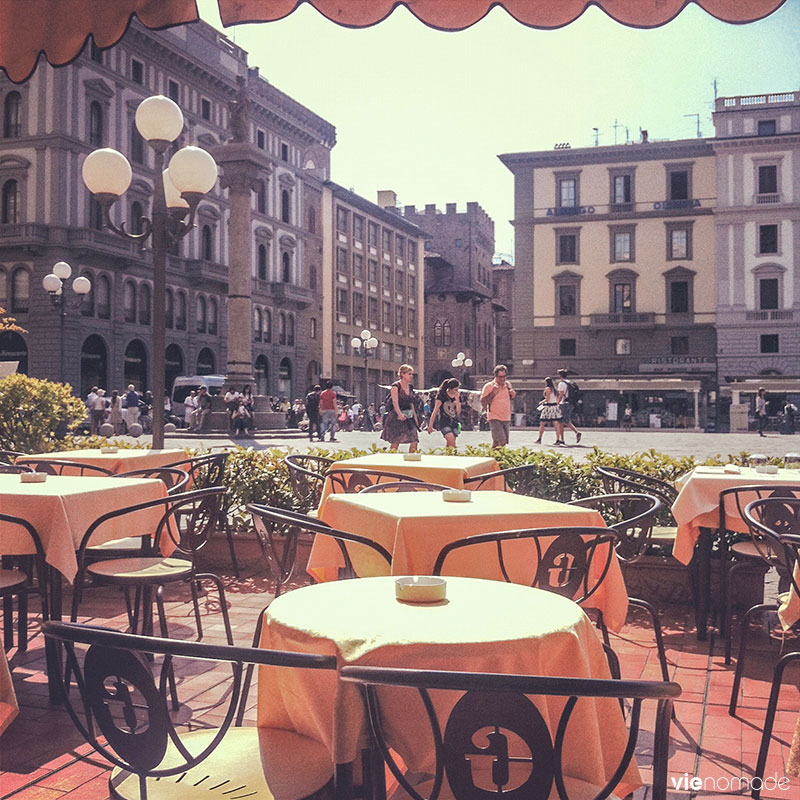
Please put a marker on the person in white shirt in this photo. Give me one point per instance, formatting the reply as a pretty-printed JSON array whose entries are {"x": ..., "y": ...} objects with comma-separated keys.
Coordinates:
[
  {"x": 189, "y": 405},
  {"x": 565, "y": 405}
]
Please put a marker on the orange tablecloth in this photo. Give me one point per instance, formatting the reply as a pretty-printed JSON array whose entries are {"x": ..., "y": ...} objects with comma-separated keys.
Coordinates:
[
  {"x": 485, "y": 626},
  {"x": 121, "y": 461},
  {"x": 697, "y": 505},
  {"x": 415, "y": 530},
  {"x": 8, "y": 699},
  {"x": 63, "y": 507},
  {"x": 444, "y": 470}
]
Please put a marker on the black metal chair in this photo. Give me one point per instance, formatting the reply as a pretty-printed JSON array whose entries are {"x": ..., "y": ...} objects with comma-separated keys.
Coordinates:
[
  {"x": 10, "y": 456},
  {"x": 16, "y": 582},
  {"x": 404, "y": 486},
  {"x": 739, "y": 551},
  {"x": 502, "y": 720},
  {"x": 561, "y": 560},
  {"x": 307, "y": 477},
  {"x": 350, "y": 481},
  {"x": 53, "y": 466},
  {"x": 519, "y": 480},
  {"x": 774, "y": 524},
  {"x": 14, "y": 469},
  {"x": 204, "y": 472},
  {"x": 632, "y": 517},
  {"x": 124, "y": 717},
  {"x": 176, "y": 480}
]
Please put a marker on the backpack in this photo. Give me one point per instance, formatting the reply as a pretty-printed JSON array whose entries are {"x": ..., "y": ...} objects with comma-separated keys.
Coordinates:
[{"x": 574, "y": 392}]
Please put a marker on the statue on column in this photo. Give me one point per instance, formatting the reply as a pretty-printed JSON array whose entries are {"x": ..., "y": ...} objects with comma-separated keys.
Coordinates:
[{"x": 239, "y": 109}]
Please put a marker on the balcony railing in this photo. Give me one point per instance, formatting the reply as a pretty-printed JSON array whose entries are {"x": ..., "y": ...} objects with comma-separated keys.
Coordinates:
[
  {"x": 27, "y": 232},
  {"x": 624, "y": 319},
  {"x": 291, "y": 293},
  {"x": 772, "y": 197},
  {"x": 770, "y": 316}
]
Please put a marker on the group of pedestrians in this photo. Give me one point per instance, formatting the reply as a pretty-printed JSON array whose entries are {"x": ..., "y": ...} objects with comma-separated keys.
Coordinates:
[
  {"x": 556, "y": 407},
  {"x": 121, "y": 410},
  {"x": 240, "y": 411}
]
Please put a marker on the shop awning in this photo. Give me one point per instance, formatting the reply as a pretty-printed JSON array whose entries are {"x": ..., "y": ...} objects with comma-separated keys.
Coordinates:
[
  {"x": 654, "y": 385},
  {"x": 59, "y": 28}
]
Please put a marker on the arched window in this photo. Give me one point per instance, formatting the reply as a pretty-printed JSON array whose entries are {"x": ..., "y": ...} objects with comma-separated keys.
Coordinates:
[
  {"x": 257, "y": 323},
  {"x": 262, "y": 262},
  {"x": 261, "y": 198},
  {"x": 282, "y": 328},
  {"x": 10, "y": 202},
  {"x": 212, "y": 316},
  {"x": 437, "y": 334},
  {"x": 180, "y": 314},
  {"x": 136, "y": 217},
  {"x": 312, "y": 220},
  {"x": 3, "y": 289},
  {"x": 169, "y": 309},
  {"x": 446, "y": 338},
  {"x": 20, "y": 290},
  {"x": 202, "y": 314},
  {"x": 129, "y": 301},
  {"x": 95, "y": 124},
  {"x": 290, "y": 331},
  {"x": 208, "y": 243},
  {"x": 286, "y": 268},
  {"x": 12, "y": 116},
  {"x": 267, "y": 326},
  {"x": 137, "y": 145},
  {"x": 87, "y": 306},
  {"x": 144, "y": 304},
  {"x": 286, "y": 206},
  {"x": 103, "y": 291}
]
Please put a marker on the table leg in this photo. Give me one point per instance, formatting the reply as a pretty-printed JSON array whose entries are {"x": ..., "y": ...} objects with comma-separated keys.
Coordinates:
[
  {"x": 52, "y": 653},
  {"x": 700, "y": 576}
]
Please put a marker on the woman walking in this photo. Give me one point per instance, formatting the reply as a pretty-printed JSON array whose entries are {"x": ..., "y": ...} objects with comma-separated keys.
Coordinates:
[
  {"x": 115, "y": 417},
  {"x": 401, "y": 423},
  {"x": 447, "y": 409},
  {"x": 550, "y": 411}
]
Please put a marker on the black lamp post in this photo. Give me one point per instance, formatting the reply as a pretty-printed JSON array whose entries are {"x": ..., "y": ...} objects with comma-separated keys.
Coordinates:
[
  {"x": 192, "y": 173},
  {"x": 366, "y": 342},
  {"x": 461, "y": 361}
]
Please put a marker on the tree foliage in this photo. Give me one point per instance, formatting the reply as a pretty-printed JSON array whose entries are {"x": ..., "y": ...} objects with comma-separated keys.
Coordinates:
[{"x": 33, "y": 412}]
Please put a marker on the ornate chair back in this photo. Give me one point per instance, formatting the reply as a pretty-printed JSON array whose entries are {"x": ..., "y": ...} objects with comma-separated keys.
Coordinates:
[
  {"x": 350, "y": 481},
  {"x": 53, "y": 466},
  {"x": 403, "y": 486},
  {"x": 174, "y": 479}
]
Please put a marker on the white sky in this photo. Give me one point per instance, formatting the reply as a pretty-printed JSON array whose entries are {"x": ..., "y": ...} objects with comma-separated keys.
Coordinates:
[{"x": 426, "y": 113}]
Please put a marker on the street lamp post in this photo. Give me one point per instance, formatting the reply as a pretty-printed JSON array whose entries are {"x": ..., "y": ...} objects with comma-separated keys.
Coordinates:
[
  {"x": 461, "y": 361},
  {"x": 53, "y": 284},
  {"x": 192, "y": 173},
  {"x": 366, "y": 342}
]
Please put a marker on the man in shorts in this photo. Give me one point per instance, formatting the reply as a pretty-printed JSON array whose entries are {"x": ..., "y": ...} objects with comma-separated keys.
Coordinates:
[
  {"x": 496, "y": 396},
  {"x": 564, "y": 403}
]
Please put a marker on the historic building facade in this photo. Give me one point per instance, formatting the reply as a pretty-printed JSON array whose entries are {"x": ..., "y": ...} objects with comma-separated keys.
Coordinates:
[
  {"x": 614, "y": 275},
  {"x": 372, "y": 279},
  {"x": 459, "y": 312},
  {"x": 52, "y": 121}
]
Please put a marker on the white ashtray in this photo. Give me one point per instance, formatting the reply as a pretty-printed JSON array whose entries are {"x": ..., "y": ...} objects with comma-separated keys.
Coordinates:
[
  {"x": 456, "y": 495},
  {"x": 420, "y": 589},
  {"x": 109, "y": 450},
  {"x": 32, "y": 477},
  {"x": 767, "y": 469},
  {"x": 731, "y": 469},
  {"x": 412, "y": 456}
]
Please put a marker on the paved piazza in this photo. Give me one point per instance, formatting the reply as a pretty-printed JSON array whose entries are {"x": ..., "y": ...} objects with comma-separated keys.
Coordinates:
[{"x": 676, "y": 443}]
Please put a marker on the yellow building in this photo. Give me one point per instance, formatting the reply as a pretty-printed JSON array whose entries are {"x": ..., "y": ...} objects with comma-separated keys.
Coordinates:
[{"x": 615, "y": 276}]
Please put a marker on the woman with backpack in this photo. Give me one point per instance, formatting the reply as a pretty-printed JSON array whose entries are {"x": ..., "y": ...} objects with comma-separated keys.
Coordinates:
[
  {"x": 401, "y": 422},
  {"x": 567, "y": 398},
  {"x": 447, "y": 409}
]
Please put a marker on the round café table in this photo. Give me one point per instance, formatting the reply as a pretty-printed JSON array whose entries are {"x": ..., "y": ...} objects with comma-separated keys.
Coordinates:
[{"x": 482, "y": 626}]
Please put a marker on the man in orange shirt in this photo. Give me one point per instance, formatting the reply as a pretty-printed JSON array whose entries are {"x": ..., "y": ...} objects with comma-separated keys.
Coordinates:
[
  {"x": 327, "y": 413},
  {"x": 496, "y": 396}
]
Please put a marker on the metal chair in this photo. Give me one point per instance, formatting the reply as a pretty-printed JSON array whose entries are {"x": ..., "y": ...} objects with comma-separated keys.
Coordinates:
[
  {"x": 404, "y": 486},
  {"x": 176, "y": 480},
  {"x": 15, "y": 582},
  {"x": 520, "y": 480},
  {"x": 205, "y": 472},
  {"x": 123, "y": 716},
  {"x": 632, "y": 517},
  {"x": 738, "y": 551},
  {"x": 14, "y": 469},
  {"x": 491, "y": 707},
  {"x": 774, "y": 524},
  {"x": 350, "y": 481},
  {"x": 307, "y": 477},
  {"x": 561, "y": 559},
  {"x": 53, "y": 466},
  {"x": 9, "y": 456}
]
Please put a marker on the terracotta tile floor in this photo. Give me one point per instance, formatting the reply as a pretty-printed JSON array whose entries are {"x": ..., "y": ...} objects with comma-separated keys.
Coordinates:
[{"x": 42, "y": 756}]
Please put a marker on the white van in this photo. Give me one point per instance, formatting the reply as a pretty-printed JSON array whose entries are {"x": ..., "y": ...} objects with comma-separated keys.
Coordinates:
[{"x": 185, "y": 383}]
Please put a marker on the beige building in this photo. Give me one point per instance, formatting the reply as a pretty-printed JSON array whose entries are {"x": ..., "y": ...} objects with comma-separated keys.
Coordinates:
[
  {"x": 615, "y": 276},
  {"x": 372, "y": 279}
]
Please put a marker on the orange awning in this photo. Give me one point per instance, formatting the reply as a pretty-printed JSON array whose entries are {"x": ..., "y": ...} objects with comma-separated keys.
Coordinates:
[{"x": 59, "y": 28}]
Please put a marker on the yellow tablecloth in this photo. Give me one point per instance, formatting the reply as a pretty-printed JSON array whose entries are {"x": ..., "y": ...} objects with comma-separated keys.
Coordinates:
[
  {"x": 415, "y": 527},
  {"x": 63, "y": 507},
  {"x": 697, "y": 505},
  {"x": 444, "y": 470},
  {"x": 124, "y": 460},
  {"x": 484, "y": 626},
  {"x": 8, "y": 699}
]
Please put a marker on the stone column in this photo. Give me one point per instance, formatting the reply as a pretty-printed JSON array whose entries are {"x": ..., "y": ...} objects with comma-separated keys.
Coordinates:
[{"x": 242, "y": 166}]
